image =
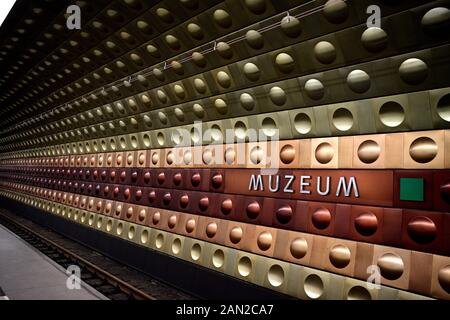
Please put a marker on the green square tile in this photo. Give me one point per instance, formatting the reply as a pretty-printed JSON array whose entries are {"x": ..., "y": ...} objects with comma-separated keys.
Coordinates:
[{"x": 411, "y": 189}]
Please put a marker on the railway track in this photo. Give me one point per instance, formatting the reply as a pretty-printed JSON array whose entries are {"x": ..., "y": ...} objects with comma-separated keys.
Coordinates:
[{"x": 111, "y": 278}]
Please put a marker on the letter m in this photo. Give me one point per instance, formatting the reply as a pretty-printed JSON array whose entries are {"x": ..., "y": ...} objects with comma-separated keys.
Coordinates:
[
  {"x": 347, "y": 188},
  {"x": 256, "y": 183}
]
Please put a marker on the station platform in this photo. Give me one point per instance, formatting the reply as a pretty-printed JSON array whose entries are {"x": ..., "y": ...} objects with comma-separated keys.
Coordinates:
[{"x": 27, "y": 274}]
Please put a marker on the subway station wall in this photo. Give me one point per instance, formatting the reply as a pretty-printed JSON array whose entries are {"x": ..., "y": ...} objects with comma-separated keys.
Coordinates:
[{"x": 289, "y": 145}]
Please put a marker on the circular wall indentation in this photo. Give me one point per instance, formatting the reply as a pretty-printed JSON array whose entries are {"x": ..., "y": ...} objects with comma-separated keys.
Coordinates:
[
  {"x": 130, "y": 210},
  {"x": 287, "y": 154},
  {"x": 211, "y": 229},
  {"x": 148, "y": 122},
  {"x": 374, "y": 39},
  {"x": 160, "y": 138},
  {"x": 118, "y": 210},
  {"x": 336, "y": 11},
  {"x": 284, "y": 62},
  {"x": 264, "y": 240},
  {"x": 200, "y": 86},
  {"x": 159, "y": 241},
  {"x": 222, "y": 18},
  {"x": 113, "y": 144},
  {"x": 216, "y": 133},
  {"x": 173, "y": 42},
  {"x": 221, "y": 106},
  {"x": 131, "y": 232},
  {"x": 340, "y": 256},
  {"x": 444, "y": 191},
  {"x": 253, "y": 209},
  {"x": 391, "y": 266},
  {"x": 247, "y": 101},
  {"x": 226, "y": 207},
  {"x": 158, "y": 75},
  {"x": 325, "y": 52},
  {"x": 109, "y": 224},
  {"x": 217, "y": 180},
  {"x": 172, "y": 222},
  {"x": 196, "y": 178},
  {"x": 224, "y": 50},
  {"x": 196, "y": 251},
  {"x": 436, "y": 18},
  {"x": 223, "y": 79},
  {"x": 91, "y": 220},
  {"x": 302, "y": 123},
  {"x": 151, "y": 199},
  {"x": 256, "y": 155},
  {"x": 190, "y": 225},
  {"x": 278, "y": 96},
  {"x": 198, "y": 110},
  {"x": 236, "y": 235},
  {"x": 342, "y": 119},
  {"x": 358, "y": 293},
  {"x": 155, "y": 158},
  {"x": 141, "y": 158},
  {"x": 256, "y": 6},
  {"x": 161, "y": 177},
  {"x": 443, "y": 107},
  {"x": 170, "y": 157},
  {"x": 164, "y": 15},
  {"x": 369, "y": 151},
  {"x": 119, "y": 228},
  {"x": 366, "y": 224},
  {"x": 156, "y": 218},
  {"x": 251, "y": 71},
  {"x": 207, "y": 156},
  {"x": 422, "y": 230},
  {"x": 177, "y": 67},
  {"x": 444, "y": 278},
  {"x": 203, "y": 204},
  {"x": 291, "y": 26},
  {"x": 313, "y": 286},
  {"x": 195, "y": 135},
  {"x": 179, "y": 114},
  {"x": 144, "y": 26},
  {"x": 195, "y": 31},
  {"x": 244, "y": 266},
  {"x": 254, "y": 39},
  {"x": 176, "y": 246},
  {"x": 298, "y": 248},
  {"x": 184, "y": 201},
  {"x": 314, "y": 89},
  {"x": 321, "y": 218},
  {"x": 230, "y": 156},
  {"x": 392, "y": 114},
  {"x": 240, "y": 130},
  {"x": 275, "y": 275},
  {"x": 142, "y": 215},
  {"x": 423, "y": 150},
  {"x": 269, "y": 127},
  {"x": 144, "y": 236},
  {"x": 179, "y": 91},
  {"x": 413, "y": 71},
  {"x": 358, "y": 81},
  {"x": 218, "y": 258},
  {"x": 324, "y": 153},
  {"x": 123, "y": 145},
  {"x": 284, "y": 214}
]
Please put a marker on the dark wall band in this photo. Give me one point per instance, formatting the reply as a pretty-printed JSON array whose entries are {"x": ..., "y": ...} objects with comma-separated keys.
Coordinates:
[{"x": 415, "y": 189}]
